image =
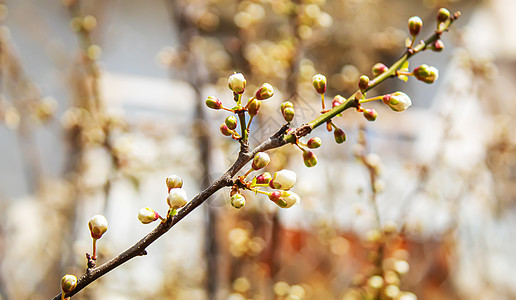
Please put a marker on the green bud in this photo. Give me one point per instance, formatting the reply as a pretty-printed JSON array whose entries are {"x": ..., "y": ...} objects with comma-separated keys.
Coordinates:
[
  {"x": 415, "y": 24},
  {"x": 314, "y": 143},
  {"x": 339, "y": 135},
  {"x": 225, "y": 130},
  {"x": 68, "y": 283},
  {"x": 370, "y": 114},
  {"x": 309, "y": 159},
  {"x": 319, "y": 82},
  {"x": 265, "y": 178},
  {"x": 379, "y": 69},
  {"x": 288, "y": 114},
  {"x": 426, "y": 73},
  {"x": 437, "y": 46},
  {"x": 237, "y": 201},
  {"x": 261, "y": 160},
  {"x": 442, "y": 15},
  {"x": 363, "y": 82},
  {"x": 231, "y": 122},
  {"x": 285, "y": 105},
  {"x": 264, "y": 92},
  {"x": 253, "y": 108},
  {"x": 213, "y": 102}
]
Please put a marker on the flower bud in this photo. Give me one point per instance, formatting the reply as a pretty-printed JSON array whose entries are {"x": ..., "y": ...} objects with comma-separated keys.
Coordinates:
[
  {"x": 363, "y": 82},
  {"x": 174, "y": 181},
  {"x": 284, "y": 199},
  {"x": 309, "y": 159},
  {"x": 337, "y": 100},
  {"x": 231, "y": 122},
  {"x": 147, "y": 215},
  {"x": 177, "y": 198},
  {"x": 98, "y": 225},
  {"x": 288, "y": 114},
  {"x": 236, "y": 83},
  {"x": 314, "y": 143},
  {"x": 442, "y": 15},
  {"x": 265, "y": 178},
  {"x": 253, "y": 108},
  {"x": 285, "y": 105},
  {"x": 397, "y": 101},
  {"x": 261, "y": 159},
  {"x": 237, "y": 200},
  {"x": 339, "y": 135},
  {"x": 426, "y": 73},
  {"x": 370, "y": 114},
  {"x": 264, "y": 92},
  {"x": 437, "y": 46},
  {"x": 319, "y": 82},
  {"x": 68, "y": 283},
  {"x": 225, "y": 130},
  {"x": 283, "y": 180},
  {"x": 379, "y": 69},
  {"x": 415, "y": 24},
  {"x": 213, "y": 102}
]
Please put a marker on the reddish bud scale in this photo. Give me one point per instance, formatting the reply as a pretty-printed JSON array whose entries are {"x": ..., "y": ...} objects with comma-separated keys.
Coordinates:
[
  {"x": 309, "y": 159},
  {"x": 415, "y": 24},
  {"x": 225, "y": 130},
  {"x": 337, "y": 100},
  {"x": 339, "y": 135},
  {"x": 275, "y": 196},
  {"x": 437, "y": 46},
  {"x": 314, "y": 143},
  {"x": 379, "y": 69},
  {"x": 213, "y": 103},
  {"x": 319, "y": 83},
  {"x": 264, "y": 178},
  {"x": 370, "y": 114},
  {"x": 363, "y": 82}
]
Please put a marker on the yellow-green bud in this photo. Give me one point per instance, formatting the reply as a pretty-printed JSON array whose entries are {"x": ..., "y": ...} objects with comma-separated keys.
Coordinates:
[
  {"x": 261, "y": 159},
  {"x": 253, "y": 108},
  {"x": 309, "y": 159},
  {"x": 363, "y": 82},
  {"x": 237, "y": 82},
  {"x": 319, "y": 82},
  {"x": 284, "y": 199},
  {"x": 68, "y": 283},
  {"x": 415, "y": 24},
  {"x": 379, "y": 69},
  {"x": 174, "y": 181},
  {"x": 225, "y": 130},
  {"x": 237, "y": 200},
  {"x": 285, "y": 105},
  {"x": 426, "y": 73},
  {"x": 147, "y": 215},
  {"x": 231, "y": 122},
  {"x": 442, "y": 15},
  {"x": 314, "y": 143},
  {"x": 288, "y": 114},
  {"x": 370, "y": 114},
  {"x": 264, "y": 92},
  {"x": 98, "y": 225},
  {"x": 213, "y": 102},
  {"x": 339, "y": 135}
]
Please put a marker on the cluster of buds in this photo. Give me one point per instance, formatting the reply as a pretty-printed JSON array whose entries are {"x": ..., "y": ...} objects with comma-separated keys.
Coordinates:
[
  {"x": 237, "y": 84},
  {"x": 176, "y": 199},
  {"x": 281, "y": 182}
]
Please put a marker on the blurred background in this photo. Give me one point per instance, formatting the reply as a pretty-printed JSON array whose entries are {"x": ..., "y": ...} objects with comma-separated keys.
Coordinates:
[{"x": 101, "y": 100}]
